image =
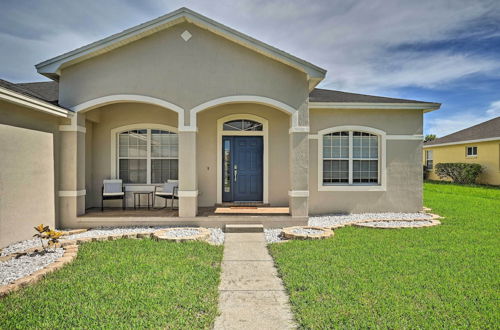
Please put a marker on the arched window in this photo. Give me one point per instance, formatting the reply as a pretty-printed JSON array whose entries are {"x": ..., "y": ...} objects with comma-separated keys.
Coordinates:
[
  {"x": 242, "y": 125},
  {"x": 147, "y": 156},
  {"x": 350, "y": 158}
]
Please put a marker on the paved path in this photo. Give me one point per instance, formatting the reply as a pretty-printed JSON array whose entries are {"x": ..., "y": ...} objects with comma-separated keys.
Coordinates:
[{"x": 251, "y": 295}]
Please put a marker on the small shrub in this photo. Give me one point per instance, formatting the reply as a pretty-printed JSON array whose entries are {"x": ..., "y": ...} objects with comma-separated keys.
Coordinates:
[
  {"x": 463, "y": 173},
  {"x": 51, "y": 236}
]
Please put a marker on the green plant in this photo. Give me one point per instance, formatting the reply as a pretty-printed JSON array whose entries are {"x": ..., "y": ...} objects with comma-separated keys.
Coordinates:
[
  {"x": 49, "y": 235},
  {"x": 425, "y": 172},
  {"x": 463, "y": 173},
  {"x": 430, "y": 137}
]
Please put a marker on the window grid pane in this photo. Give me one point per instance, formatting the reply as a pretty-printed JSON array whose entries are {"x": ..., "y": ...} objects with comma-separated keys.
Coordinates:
[
  {"x": 364, "y": 153},
  {"x": 133, "y": 156},
  {"x": 163, "y": 170},
  {"x": 242, "y": 125}
]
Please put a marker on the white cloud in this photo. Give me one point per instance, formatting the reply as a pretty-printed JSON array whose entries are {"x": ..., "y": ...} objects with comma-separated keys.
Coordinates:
[
  {"x": 361, "y": 43},
  {"x": 494, "y": 109}
]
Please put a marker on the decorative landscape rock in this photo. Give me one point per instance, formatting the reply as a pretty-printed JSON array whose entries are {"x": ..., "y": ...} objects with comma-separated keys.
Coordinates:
[
  {"x": 397, "y": 224},
  {"x": 182, "y": 234},
  {"x": 306, "y": 232}
]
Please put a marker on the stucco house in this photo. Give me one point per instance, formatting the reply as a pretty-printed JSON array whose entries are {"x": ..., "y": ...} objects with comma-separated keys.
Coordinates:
[
  {"x": 478, "y": 144},
  {"x": 234, "y": 120}
]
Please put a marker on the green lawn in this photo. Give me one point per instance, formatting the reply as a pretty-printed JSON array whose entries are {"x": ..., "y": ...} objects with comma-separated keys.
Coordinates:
[
  {"x": 123, "y": 284},
  {"x": 440, "y": 277}
]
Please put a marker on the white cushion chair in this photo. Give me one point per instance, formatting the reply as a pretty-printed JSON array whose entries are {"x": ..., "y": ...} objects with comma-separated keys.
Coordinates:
[
  {"x": 113, "y": 189},
  {"x": 168, "y": 191}
]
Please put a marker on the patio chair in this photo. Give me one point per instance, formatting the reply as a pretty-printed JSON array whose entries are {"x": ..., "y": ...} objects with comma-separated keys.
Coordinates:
[
  {"x": 168, "y": 191},
  {"x": 112, "y": 189}
]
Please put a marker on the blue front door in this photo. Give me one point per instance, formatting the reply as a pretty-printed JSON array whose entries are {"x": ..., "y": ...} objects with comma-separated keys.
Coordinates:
[{"x": 242, "y": 161}]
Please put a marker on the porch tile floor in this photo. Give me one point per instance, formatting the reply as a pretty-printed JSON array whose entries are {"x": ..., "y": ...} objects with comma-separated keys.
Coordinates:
[{"x": 251, "y": 295}]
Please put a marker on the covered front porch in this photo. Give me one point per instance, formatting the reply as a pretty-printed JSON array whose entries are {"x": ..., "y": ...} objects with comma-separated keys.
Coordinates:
[
  {"x": 269, "y": 217},
  {"x": 238, "y": 153}
]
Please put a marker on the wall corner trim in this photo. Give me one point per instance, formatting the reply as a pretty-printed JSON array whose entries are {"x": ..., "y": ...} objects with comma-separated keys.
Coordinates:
[
  {"x": 298, "y": 129},
  {"x": 72, "y": 128},
  {"x": 72, "y": 193},
  {"x": 298, "y": 193},
  {"x": 187, "y": 193}
]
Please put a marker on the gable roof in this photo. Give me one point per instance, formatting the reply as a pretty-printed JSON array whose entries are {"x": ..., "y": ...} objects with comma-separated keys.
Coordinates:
[
  {"x": 488, "y": 130},
  {"x": 40, "y": 100},
  {"x": 329, "y": 95},
  {"x": 49, "y": 90},
  {"x": 332, "y": 99},
  {"x": 51, "y": 68}
]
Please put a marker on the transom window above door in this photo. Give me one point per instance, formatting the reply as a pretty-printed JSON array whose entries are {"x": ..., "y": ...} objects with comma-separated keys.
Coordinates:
[
  {"x": 242, "y": 125},
  {"x": 147, "y": 156}
]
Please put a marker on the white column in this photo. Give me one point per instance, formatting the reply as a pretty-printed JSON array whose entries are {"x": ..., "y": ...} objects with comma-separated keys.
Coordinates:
[
  {"x": 72, "y": 192},
  {"x": 188, "y": 181}
]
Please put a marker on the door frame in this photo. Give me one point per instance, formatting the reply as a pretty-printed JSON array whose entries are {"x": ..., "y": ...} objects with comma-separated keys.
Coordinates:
[{"x": 265, "y": 153}]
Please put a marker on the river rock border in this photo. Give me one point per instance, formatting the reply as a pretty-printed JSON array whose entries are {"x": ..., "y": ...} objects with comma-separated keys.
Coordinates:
[
  {"x": 71, "y": 250},
  {"x": 203, "y": 234},
  {"x": 290, "y": 234}
]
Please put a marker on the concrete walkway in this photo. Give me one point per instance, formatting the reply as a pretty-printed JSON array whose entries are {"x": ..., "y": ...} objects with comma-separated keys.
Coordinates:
[{"x": 251, "y": 295}]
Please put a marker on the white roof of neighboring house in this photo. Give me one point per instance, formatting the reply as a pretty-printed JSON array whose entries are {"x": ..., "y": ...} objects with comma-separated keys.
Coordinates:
[{"x": 51, "y": 68}]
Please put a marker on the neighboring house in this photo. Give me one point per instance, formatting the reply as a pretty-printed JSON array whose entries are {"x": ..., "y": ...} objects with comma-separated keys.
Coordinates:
[
  {"x": 477, "y": 144},
  {"x": 185, "y": 98}
]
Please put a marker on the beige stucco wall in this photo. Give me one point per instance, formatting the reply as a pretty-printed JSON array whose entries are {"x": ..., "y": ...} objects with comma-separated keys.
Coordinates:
[
  {"x": 187, "y": 74},
  {"x": 278, "y": 122},
  {"x": 403, "y": 159},
  {"x": 99, "y": 135},
  {"x": 28, "y": 149}
]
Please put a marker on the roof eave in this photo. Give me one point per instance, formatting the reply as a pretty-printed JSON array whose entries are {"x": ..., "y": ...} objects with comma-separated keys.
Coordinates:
[
  {"x": 51, "y": 67},
  {"x": 33, "y": 103},
  {"x": 426, "y": 107},
  {"x": 462, "y": 142}
]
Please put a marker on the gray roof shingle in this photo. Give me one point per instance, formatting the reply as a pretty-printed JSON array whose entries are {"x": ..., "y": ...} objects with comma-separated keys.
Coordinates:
[
  {"x": 328, "y": 95},
  {"x": 44, "y": 91},
  {"x": 485, "y": 130},
  {"x": 49, "y": 91}
]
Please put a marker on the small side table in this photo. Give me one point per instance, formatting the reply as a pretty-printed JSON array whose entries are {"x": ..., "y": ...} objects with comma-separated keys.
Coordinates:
[{"x": 138, "y": 194}]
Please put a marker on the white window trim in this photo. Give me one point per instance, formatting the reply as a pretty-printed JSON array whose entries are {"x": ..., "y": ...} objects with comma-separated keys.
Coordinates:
[
  {"x": 427, "y": 152},
  {"x": 114, "y": 148},
  {"x": 265, "y": 136},
  {"x": 382, "y": 186},
  {"x": 467, "y": 152}
]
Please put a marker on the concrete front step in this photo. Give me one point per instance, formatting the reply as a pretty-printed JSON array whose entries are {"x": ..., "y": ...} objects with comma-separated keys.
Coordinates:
[{"x": 244, "y": 228}]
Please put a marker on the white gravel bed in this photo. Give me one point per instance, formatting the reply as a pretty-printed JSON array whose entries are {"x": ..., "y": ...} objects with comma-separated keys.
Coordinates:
[
  {"x": 14, "y": 269},
  {"x": 182, "y": 232},
  {"x": 307, "y": 231},
  {"x": 217, "y": 236},
  {"x": 273, "y": 235},
  {"x": 338, "y": 219},
  {"x": 20, "y": 246},
  {"x": 397, "y": 224}
]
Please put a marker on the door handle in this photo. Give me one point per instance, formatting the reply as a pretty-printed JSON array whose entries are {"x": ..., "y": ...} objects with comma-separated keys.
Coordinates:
[{"x": 235, "y": 173}]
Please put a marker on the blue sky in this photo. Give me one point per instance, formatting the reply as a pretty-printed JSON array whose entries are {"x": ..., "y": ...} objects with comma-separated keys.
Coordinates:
[{"x": 432, "y": 50}]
